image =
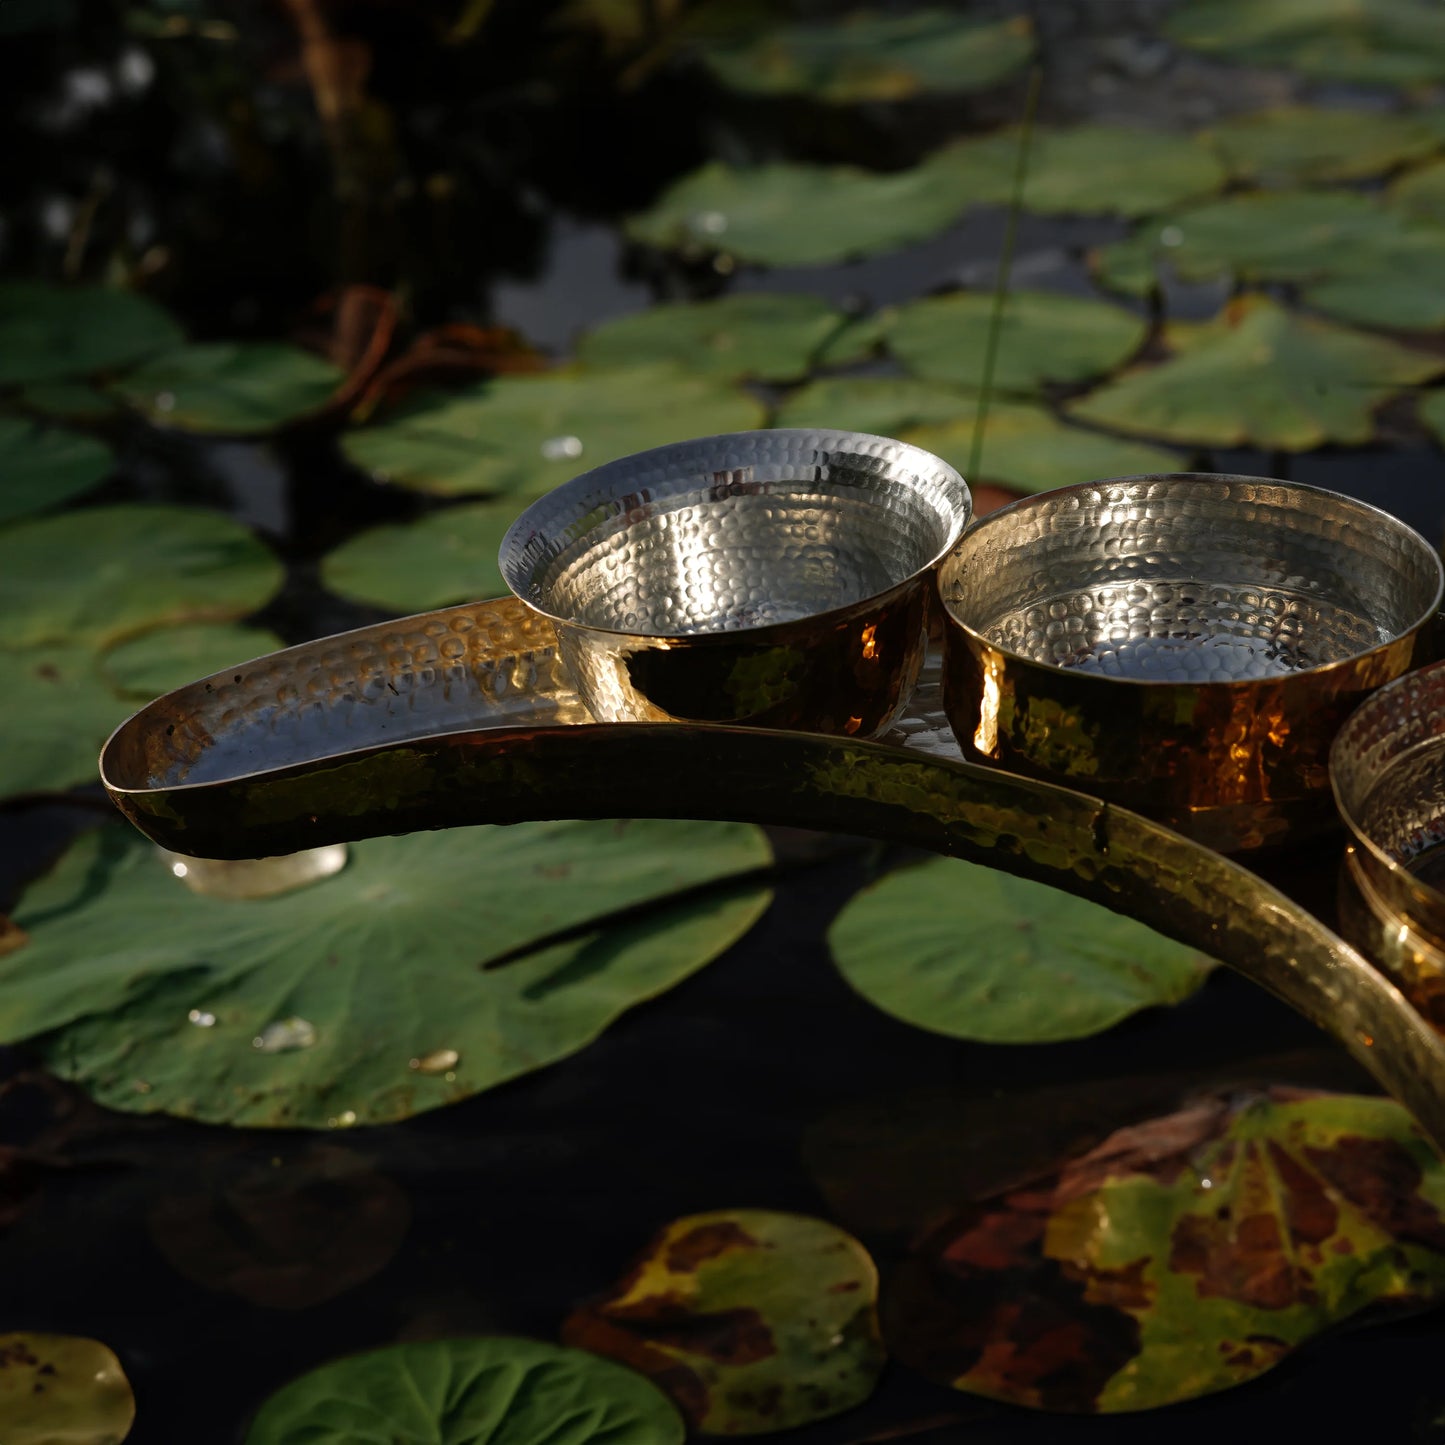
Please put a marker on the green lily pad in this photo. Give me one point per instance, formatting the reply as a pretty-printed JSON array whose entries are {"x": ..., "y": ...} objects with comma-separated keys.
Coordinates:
[
  {"x": 461, "y": 1392},
  {"x": 1284, "y": 236},
  {"x": 1182, "y": 1256},
  {"x": 1420, "y": 194},
  {"x": 1033, "y": 965},
  {"x": 1043, "y": 337},
  {"x": 526, "y": 434},
  {"x": 756, "y": 336},
  {"x": 799, "y": 215},
  {"x": 1085, "y": 170},
  {"x": 164, "y": 658},
  {"x": 62, "y": 1390},
  {"x": 40, "y": 467},
  {"x": 1257, "y": 375},
  {"x": 68, "y": 400},
  {"x": 53, "y": 333},
  {"x": 1399, "y": 282},
  {"x": 1432, "y": 412},
  {"x": 1304, "y": 144},
  {"x": 235, "y": 388},
  {"x": 871, "y": 56},
  {"x": 449, "y": 556},
  {"x": 351, "y": 986},
  {"x": 90, "y": 577},
  {"x": 753, "y": 1321},
  {"x": 883, "y": 405},
  {"x": 1379, "y": 42}
]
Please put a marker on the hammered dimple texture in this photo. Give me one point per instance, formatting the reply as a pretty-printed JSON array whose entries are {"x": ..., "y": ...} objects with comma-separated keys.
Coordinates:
[
  {"x": 1190, "y": 579},
  {"x": 731, "y": 533}
]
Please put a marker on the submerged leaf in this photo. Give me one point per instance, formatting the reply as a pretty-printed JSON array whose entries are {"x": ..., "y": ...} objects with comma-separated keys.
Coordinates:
[
  {"x": 526, "y": 434},
  {"x": 758, "y": 335},
  {"x": 1043, "y": 337},
  {"x": 94, "y": 576},
  {"x": 872, "y": 56},
  {"x": 40, "y": 467},
  {"x": 1179, "y": 1257},
  {"x": 53, "y": 333},
  {"x": 751, "y": 1320},
  {"x": 1033, "y": 966},
  {"x": 787, "y": 214},
  {"x": 459, "y": 1392},
  {"x": 1257, "y": 375},
  {"x": 62, "y": 1390},
  {"x": 448, "y": 556},
  {"x": 385, "y": 962},
  {"x": 236, "y": 388}
]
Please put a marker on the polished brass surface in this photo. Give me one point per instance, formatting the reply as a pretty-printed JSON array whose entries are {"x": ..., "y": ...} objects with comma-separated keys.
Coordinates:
[
  {"x": 465, "y": 716},
  {"x": 771, "y": 578},
  {"x": 1187, "y": 645}
]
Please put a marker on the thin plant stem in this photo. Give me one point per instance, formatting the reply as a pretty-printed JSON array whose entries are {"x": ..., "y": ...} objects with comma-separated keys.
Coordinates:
[{"x": 1000, "y": 290}]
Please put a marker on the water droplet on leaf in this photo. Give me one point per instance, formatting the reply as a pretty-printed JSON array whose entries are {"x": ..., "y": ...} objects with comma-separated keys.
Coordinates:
[
  {"x": 1171, "y": 236},
  {"x": 165, "y": 401},
  {"x": 438, "y": 1061},
  {"x": 557, "y": 449},
  {"x": 712, "y": 223},
  {"x": 202, "y": 1018},
  {"x": 343, "y": 1120},
  {"x": 285, "y": 1035}
]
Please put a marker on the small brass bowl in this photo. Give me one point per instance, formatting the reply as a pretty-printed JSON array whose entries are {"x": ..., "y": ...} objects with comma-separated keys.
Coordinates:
[
  {"x": 1186, "y": 645},
  {"x": 1387, "y": 768},
  {"x": 770, "y": 578}
]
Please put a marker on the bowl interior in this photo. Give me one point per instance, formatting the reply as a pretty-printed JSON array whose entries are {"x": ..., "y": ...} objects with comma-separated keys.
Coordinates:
[
  {"x": 735, "y": 532},
  {"x": 1190, "y": 578}
]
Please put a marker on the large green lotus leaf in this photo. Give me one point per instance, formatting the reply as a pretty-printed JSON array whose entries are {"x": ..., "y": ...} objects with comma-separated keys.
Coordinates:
[
  {"x": 94, "y": 576},
  {"x": 1303, "y": 144},
  {"x": 1181, "y": 1256},
  {"x": 1032, "y": 965},
  {"x": 351, "y": 986},
  {"x": 234, "y": 388},
  {"x": 40, "y": 467},
  {"x": 883, "y": 405},
  {"x": 1257, "y": 375},
  {"x": 752, "y": 1320},
  {"x": 527, "y": 434},
  {"x": 62, "y": 1390},
  {"x": 1043, "y": 337},
  {"x": 63, "y": 702},
  {"x": 757, "y": 336},
  {"x": 499, "y": 1390},
  {"x": 449, "y": 556},
  {"x": 1028, "y": 449},
  {"x": 1085, "y": 170},
  {"x": 1432, "y": 412},
  {"x": 1420, "y": 193},
  {"x": 1276, "y": 236},
  {"x": 51, "y": 333},
  {"x": 1381, "y": 42},
  {"x": 68, "y": 400},
  {"x": 1399, "y": 282},
  {"x": 872, "y": 56},
  {"x": 787, "y": 214}
]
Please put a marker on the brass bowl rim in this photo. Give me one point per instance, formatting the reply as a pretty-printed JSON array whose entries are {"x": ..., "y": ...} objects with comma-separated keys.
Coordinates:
[
  {"x": 1215, "y": 685},
  {"x": 828, "y": 438}
]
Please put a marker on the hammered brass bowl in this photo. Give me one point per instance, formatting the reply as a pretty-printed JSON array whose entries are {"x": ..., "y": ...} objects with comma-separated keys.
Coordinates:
[
  {"x": 1186, "y": 645},
  {"x": 770, "y": 579}
]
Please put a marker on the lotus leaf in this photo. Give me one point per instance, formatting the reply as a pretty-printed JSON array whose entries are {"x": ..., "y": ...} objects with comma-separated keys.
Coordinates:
[
  {"x": 527, "y": 434},
  {"x": 1432, "y": 412},
  {"x": 761, "y": 336},
  {"x": 1032, "y": 965},
  {"x": 1258, "y": 376},
  {"x": 753, "y": 1321},
  {"x": 43, "y": 466},
  {"x": 883, "y": 405},
  {"x": 90, "y": 577},
  {"x": 872, "y": 56},
  {"x": 787, "y": 214},
  {"x": 1381, "y": 42},
  {"x": 462, "y": 1392},
  {"x": 1028, "y": 449},
  {"x": 68, "y": 400},
  {"x": 1043, "y": 337},
  {"x": 448, "y": 556},
  {"x": 1303, "y": 144},
  {"x": 321, "y": 1001},
  {"x": 1398, "y": 282},
  {"x": 1285, "y": 236},
  {"x": 154, "y": 662},
  {"x": 62, "y": 1390},
  {"x": 235, "y": 388},
  {"x": 1421, "y": 193},
  {"x": 1181, "y": 1256},
  {"x": 1085, "y": 170},
  {"x": 53, "y": 333}
]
